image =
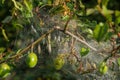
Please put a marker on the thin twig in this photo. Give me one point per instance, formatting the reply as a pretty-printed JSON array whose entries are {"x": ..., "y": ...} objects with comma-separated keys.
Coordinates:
[{"x": 77, "y": 38}]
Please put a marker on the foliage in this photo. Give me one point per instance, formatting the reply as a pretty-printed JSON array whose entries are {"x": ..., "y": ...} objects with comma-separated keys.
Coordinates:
[
  {"x": 100, "y": 31},
  {"x": 52, "y": 29}
]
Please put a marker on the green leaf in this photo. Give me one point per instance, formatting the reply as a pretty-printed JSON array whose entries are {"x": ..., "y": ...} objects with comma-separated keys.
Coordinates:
[
  {"x": 28, "y": 4},
  {"x": 117, "y": 15},
  {"x": 49, "y": 2},
  {"x": 100, "y": 31},
  {"x": 70, "y": 5},
  {"x": 84, "y": 51},
  {"x": 18, "y": 51},
  {"x": 4, "y": 34},
  {"x": 18, "y": 5},
  {"x": 89, "y": 31},
  {"x": 40, "y": 3},
  {"x": 118, "y": 61},
  {"x": 2, "y": 49},
  {"x": 108, "y": 36},
  {"x": 56, "y": 9},
  {"x": 107, "y": 13},
  {"x": 105, "y": 2},
  {"x": 27, "y": 13},
  {"x": 17, "y": 25},
  {"x": 118, "y": 20},
  {"x": 65, "y": 18},
  {"x": 90, "y": 11},
  {"x": 3, "y": 1}
]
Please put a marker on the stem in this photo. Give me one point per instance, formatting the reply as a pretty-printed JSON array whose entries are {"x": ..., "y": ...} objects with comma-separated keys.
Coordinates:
[{"x": 66, "y": 25}]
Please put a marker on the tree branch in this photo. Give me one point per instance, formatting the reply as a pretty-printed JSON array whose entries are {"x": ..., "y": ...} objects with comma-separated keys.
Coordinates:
[
  {"x": 34, "y": 43},
  {"x": 29, "y": 46},
  {"x": 43, "y": 36}
]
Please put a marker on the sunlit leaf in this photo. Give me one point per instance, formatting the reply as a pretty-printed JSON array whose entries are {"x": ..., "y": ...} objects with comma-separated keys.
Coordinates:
[
  {"x": 18, "y": 51},
  {"x": 49, "y": 2},
  {"x": 105, "y": 2},
  {"x": 66, "y": 17},
  {"x": 3, "y": 1},
  {"x": 84, "y": 51},
  {"x": 108, "y": 17},
  {"x": 89, "y": 31},
  {"x": 4, "y": 34},
  {"x": 90, "y": 11},
  {"x": 2, "y": 49},
  {"x": 18, "y": 5},
  {"x": 118, "y": 61},
  {"x": 40, "y": 4},
  {"x": 106, "y": 11},
  {"x": 118, "y": 20},
  {"x": 17, "y": 25},
  {"x": 117, "y": 15},
  {"x": 27, "y": 13},
  {"x": 28, "y": 4}
]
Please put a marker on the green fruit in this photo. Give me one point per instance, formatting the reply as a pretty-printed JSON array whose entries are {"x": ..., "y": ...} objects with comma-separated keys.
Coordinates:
[
  {"x": 89, "y": 31},
  {"x": 31, "y": 60},
  {"x": 102, "y": 64},
  {"x": 58, "y": 63},
  {"x": 4, "y": 70},
  {"x": 84, "y": 51},
  {"x": 103, "y": 68}
]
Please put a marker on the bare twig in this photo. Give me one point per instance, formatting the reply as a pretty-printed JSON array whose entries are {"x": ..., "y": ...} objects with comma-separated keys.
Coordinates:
[
  {"x": 49, "y": 43},
  {"x": 77, "y": 38}
]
